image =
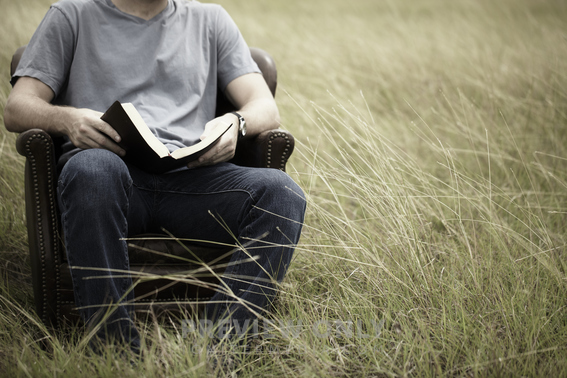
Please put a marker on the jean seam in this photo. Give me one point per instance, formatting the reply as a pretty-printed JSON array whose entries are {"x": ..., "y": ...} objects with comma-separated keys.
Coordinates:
[
  {"x": 200, "y": 193},
  {"x": 126, "y": 266}
]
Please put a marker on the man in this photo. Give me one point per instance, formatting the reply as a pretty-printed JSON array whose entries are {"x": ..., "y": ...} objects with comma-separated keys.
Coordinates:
[{"x": 168, "y": 57}]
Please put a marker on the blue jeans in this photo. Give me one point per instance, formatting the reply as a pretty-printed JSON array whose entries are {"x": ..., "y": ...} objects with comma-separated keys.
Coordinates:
[{"x": 103, "y": 200}]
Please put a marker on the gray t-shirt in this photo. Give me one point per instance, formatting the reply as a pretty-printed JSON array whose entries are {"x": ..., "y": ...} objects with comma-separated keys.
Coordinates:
[{"x": 91, "y": 54}]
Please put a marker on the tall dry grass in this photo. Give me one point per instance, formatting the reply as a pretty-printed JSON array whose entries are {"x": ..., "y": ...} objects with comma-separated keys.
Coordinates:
[{"x": 431, "y": 147}]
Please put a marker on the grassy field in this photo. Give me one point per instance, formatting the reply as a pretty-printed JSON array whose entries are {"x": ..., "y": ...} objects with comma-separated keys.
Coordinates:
[{"x": 432, "y": 147}]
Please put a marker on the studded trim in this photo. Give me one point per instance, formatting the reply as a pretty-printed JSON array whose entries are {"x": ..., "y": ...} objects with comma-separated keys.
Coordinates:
[
  {"x": 285, "y": 154},
  {"x": 32, "y": 160}
]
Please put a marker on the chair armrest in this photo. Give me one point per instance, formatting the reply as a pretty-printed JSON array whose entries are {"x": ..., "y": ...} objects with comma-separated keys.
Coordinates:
[
  {"x": 270, "y": 149},
  {"x": 33, "y": 141},
  {"x": 42, "y": 220}
]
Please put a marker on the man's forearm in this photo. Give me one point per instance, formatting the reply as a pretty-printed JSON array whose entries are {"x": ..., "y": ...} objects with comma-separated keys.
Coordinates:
[
  {"x": 260, "y": 115},
  {"x": 24, "y": 112},
  {"x": 254, "y": 101},
  {"x": 29, "y": 107}
]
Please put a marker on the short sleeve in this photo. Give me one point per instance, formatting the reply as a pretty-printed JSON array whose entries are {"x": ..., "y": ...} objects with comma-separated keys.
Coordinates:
[
  {"x": 49, "y": 53},
  {"x": 234, "y": 58}
]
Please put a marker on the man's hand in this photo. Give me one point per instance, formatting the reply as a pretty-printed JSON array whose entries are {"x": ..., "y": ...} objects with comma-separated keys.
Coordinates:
[
  {"x": 85, "y": 129},
  {"x": 253, "y": 100},
  {"x": 225, "y": 148}
]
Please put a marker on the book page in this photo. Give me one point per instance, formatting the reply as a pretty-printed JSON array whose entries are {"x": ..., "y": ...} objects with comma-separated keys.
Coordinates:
[
  {"x": 144, "y": 130},
  {"x": 208, "y": 141}
]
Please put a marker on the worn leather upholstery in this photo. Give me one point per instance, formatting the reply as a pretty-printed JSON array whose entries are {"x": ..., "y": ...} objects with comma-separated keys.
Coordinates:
[{"x": 169, "y": 274}]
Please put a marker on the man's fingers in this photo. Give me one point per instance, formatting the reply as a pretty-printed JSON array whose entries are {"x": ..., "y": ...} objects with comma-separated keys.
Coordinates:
[
  {"x": 95, "y": 139},
  {"x": 224, "y": 149},
  {"x": 210, "y": 126},
  {"x": 108, "y": 138},
  {"x": 105, "y": 128},
  {"x": 219, "y": 153},
  {"x": 95, "y": 133},
  {"x": 103, "y": 141}
]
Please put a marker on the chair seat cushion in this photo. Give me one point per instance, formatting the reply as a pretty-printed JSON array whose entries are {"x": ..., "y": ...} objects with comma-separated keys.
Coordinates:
[
  {"x": 158, "y": 249},
  {"x": 175, "y": 274},
  {"x": 162, "y": 249}
]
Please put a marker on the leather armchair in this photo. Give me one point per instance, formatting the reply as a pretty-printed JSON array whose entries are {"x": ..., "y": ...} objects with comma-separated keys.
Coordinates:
[{"x": 168, "y": 274}]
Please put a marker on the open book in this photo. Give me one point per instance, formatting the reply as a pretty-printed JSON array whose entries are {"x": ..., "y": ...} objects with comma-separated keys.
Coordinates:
[{"x": 144, "y": 149}]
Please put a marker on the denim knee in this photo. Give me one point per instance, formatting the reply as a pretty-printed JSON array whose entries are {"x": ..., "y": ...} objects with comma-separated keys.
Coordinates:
[
  {"x": 286, "y": 197},
  {"x": 93, "y": 163},
  {"x": 94, "y": 172}
]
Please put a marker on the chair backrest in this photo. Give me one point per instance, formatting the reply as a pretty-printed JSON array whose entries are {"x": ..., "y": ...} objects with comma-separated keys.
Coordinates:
[
  {"x": 267, "y": 65},
  {"x": 16, "y": 59}
]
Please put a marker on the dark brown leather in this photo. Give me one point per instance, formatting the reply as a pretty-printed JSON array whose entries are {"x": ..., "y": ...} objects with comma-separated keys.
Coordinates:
[
  {"x": 271, "y": 149},
  {"x": 16, "y": 60},
  {"x": 267, "y": 65},
  {"x": 42, "y": 220},
  {"x": 179, "y": 282}
]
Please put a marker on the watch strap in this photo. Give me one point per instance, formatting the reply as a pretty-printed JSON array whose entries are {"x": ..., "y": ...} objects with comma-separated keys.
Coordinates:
[{"x": 241, "y": 125}]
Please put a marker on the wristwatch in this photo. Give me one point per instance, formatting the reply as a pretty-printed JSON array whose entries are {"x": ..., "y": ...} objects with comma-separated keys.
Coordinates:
[{"x": 241, "y": 125}]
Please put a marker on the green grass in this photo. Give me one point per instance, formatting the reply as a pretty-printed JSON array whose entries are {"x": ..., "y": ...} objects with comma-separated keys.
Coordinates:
[{"x": 431, "y": 144}]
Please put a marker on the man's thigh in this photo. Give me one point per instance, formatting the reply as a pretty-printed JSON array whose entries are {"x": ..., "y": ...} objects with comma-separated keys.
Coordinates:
[{"x": 208, "y": 203}]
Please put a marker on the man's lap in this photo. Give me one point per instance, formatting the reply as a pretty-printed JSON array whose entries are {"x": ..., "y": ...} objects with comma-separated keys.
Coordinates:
[{"x": 201, "y": 203}]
